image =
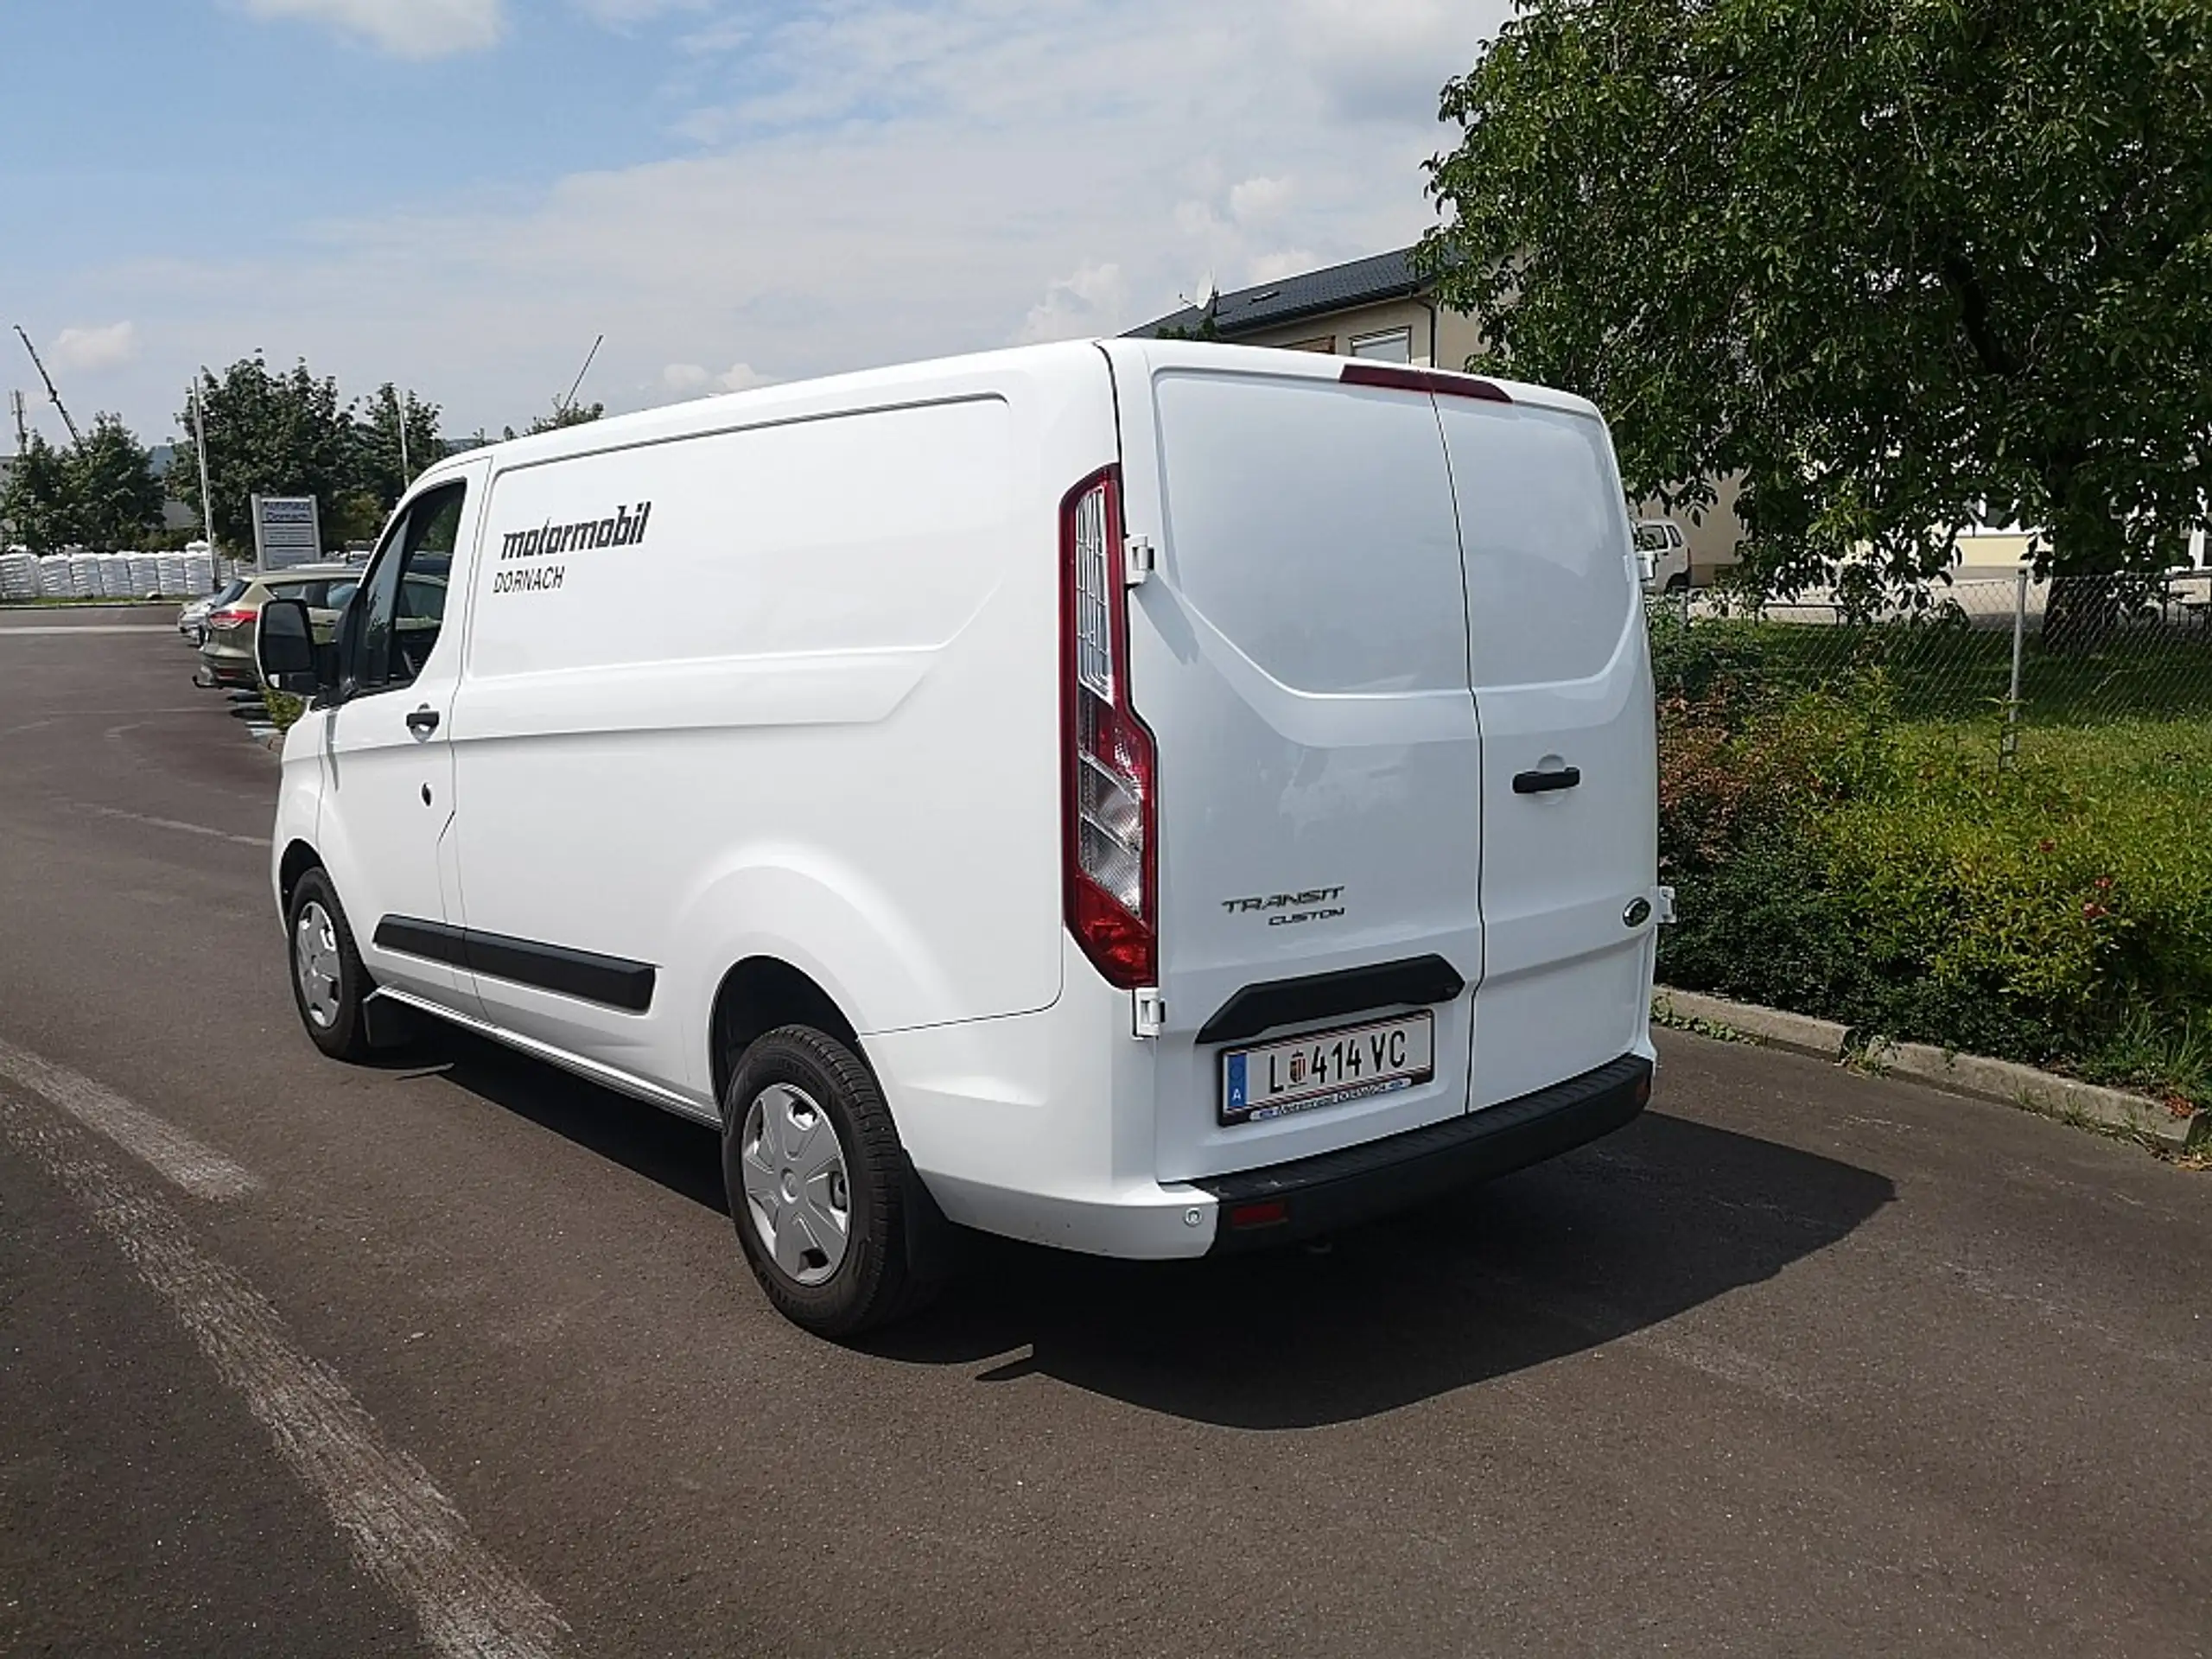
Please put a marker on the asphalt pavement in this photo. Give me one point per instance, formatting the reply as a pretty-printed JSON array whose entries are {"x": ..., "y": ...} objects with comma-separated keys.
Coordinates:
[{"x": 460, "y": 1357}]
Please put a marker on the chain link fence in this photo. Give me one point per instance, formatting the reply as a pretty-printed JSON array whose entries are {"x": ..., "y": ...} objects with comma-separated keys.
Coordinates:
[{"x": 1999, "y": 660}]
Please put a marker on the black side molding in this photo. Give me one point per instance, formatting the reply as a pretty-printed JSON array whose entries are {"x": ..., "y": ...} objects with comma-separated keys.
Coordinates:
[
  {"x": 432, "y": 941},
  {"x": 1317, "y": 996},
  {"x": 612, "y": 981},
  {"x": 1332, "y": 1189}
]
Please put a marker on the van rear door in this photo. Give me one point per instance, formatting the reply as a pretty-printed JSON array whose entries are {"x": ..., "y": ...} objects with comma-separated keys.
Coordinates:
[
  {"x": 1562, "y": 678},
  {"x": 1300, "y": 656}
]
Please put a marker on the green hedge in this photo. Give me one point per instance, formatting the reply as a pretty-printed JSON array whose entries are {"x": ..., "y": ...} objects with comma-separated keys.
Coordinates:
[{"x": 1833, "y": 857}]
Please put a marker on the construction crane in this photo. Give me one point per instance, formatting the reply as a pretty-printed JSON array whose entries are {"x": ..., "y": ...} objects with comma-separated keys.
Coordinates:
[
  {"x": 75, "y": 436},
  {"x": 561, "y": 406}
]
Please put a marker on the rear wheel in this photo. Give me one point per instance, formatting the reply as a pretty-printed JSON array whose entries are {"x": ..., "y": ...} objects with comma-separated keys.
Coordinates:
[
  {"x": 817, "y": 1184},
  {"x": 328, "y": 981},
  {"x": 1679, "y": 583}
]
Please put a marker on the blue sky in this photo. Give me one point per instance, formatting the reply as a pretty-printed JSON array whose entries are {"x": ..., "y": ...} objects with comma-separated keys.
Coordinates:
[{"x": 458, "y": 194}]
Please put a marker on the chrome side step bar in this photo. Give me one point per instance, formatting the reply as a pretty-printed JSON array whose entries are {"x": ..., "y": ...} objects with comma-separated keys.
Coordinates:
[{"x": 610, "y": 1076}]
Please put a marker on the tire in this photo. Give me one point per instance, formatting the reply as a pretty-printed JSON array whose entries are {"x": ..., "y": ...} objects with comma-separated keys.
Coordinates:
[
  {"x": 1678, "y": 583},
  {"x": 804, "y": 1126},
  {"x": 329, "y": 984}
]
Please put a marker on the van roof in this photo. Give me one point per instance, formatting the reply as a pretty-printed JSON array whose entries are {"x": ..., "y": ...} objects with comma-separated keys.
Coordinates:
[
  {"x": 821, "y": 395},
  {"x": 903, "y": 382}
]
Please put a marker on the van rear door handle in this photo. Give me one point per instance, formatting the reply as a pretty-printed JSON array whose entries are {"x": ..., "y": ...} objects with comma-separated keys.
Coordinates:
[
  {"x": 1537, "y": 783},
  {"x": 424, "y": 720}
]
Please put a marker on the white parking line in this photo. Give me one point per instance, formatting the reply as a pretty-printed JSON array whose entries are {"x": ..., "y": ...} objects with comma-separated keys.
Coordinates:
[
  {"x": 97, "y": 627},
  {"x": 469, "y": 1603},
  {"x": 198, "y": 1169},
  {"x": 261, "y": 842}
]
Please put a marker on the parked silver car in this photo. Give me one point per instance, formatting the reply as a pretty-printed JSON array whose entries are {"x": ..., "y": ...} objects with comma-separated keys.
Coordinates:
[
  {"x": 226, "y": 653},
  {"x": 192, "y": 620}
]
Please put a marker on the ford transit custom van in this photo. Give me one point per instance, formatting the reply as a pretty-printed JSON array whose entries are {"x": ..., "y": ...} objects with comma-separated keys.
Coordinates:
[{"x": 1146, "y": 798}]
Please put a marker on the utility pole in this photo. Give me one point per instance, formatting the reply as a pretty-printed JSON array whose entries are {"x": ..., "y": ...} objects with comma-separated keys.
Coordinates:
[
  {"x": 23, "y": 425},
  {"x": 74, "y": 436},
  {"x": 399, "y": 419},
  {"x": 206, "y": 495}
]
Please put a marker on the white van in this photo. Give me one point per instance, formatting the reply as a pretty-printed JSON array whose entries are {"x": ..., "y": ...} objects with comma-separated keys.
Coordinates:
[
  {"x": 1146, "y": 798},
  {"x": 1664, "y": 556}
]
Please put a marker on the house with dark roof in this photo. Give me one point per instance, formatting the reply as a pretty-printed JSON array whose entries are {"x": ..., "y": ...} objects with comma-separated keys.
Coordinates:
[
  {"x": 1381, "y": 307},
  {"x": 1378, "y": 306}
]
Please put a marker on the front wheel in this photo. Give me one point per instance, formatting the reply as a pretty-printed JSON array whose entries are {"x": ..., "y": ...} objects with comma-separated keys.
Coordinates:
[
  {"x": 817, "y": 1184},
  {"x": 329, "y": 984}
]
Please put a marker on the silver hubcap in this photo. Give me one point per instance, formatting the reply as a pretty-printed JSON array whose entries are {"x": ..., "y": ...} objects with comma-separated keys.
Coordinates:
[
  {"x": 315, "y": 959},
  {"x": 795, "y": 1185}
]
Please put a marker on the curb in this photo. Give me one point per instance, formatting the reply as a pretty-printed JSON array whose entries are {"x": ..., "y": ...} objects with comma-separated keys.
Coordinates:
[{"x": 2007, "y": 1082}]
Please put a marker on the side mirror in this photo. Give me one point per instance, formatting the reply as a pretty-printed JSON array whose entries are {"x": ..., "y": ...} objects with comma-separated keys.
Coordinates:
[
  {"x": 283, "y": 647},
  {"x": 1646, "y": 561}
]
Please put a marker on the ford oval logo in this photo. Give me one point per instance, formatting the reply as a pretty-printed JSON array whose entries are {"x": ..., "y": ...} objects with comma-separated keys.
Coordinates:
[{"x": 1637, "y": 913}]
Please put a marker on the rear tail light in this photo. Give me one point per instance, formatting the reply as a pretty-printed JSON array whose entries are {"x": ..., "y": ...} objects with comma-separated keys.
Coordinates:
[
  {"x": 234, "y": 616},
  {"x": 1110, "y": 817}
]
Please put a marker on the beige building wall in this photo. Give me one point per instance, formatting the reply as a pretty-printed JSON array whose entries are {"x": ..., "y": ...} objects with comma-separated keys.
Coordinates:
[
  {"x": 1438, "y": 338},
  {"x": 1997, "y": 552},
  {"x": 1713, "y": 537},
  {"x": 1336, "y": 332},
  {"x": 1458, "y": 337}
]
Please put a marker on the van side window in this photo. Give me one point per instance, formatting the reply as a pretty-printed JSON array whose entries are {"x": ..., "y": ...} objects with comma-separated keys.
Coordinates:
[{"x": 401, "y": 606}]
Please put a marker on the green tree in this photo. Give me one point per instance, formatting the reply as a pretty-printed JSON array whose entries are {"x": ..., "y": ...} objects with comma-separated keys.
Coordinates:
[
  {"x": 1900, "y": 263},
  {"x": 284, "y": 434},
  {"x": 100, "y": 493},
  {"x": 562, "y": 415},
  {"x": 38, "y": 498},
  {"x": 117, "y": 499},
  {"x": 378, "y": 426}
]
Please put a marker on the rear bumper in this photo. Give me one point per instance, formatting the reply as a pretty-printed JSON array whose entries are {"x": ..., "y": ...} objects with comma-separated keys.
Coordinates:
[
  {"x": 1257, "y": 1208},
  {"x": 232, "y": 672},
  {"x": 1143, "y": 1219},
  {"x": 1045, "y": 1126}
]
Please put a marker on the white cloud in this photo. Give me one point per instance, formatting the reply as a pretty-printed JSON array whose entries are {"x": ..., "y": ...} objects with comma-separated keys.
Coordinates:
[
  {"x": 1196, "y": 219},
  {"x": 405, "y": 28},
  {"x": 1258, "y": 199},
  {"x": 693, "y": 379},
  {"x": 1374, "y": 60},
  {"x": 1092, "y": 301},
  {"x": 1285, "y": 261},
  {"x": 864, "y": 182},
  {"x": 622, "y": 14},
  {"x": 91, "y": 350}
]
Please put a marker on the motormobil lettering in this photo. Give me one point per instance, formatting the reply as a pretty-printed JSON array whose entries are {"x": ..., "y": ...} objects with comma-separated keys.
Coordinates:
[{"x": 625, "y": 527}]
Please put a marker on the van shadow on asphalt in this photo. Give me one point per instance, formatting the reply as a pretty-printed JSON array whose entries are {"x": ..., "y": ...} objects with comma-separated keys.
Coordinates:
[
  {"x": 1621, "y": 1235},
  {"x": 681, "y": 1155}
]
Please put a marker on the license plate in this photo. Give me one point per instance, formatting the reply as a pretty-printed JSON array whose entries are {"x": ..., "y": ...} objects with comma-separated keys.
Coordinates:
[{"x": 1327, "y": 1068}]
